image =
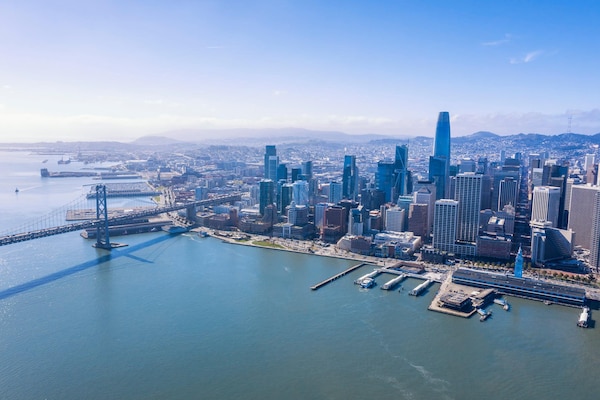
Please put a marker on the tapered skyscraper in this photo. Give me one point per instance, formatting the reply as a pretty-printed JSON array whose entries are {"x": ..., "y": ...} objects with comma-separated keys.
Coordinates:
[{"x": 439, "y": 162}]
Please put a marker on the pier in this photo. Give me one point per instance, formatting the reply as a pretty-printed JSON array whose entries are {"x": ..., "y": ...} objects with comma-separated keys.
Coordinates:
[
  {"x": 389, "y": 285},
  {"x": 417, "y": 291},
  {"x": 333, "y": 278}
]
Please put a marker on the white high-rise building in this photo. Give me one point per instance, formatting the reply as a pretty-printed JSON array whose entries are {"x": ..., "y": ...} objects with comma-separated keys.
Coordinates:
[
  {"x": 394, "y": 219},
  {"x": 444, "y": 225},
  {"x": 468, "y": 195},
  {"x": 595, "y": 240},
  {"x": 588, "y": 164},
  {"x": 546, "y": 201},
  {"x": 582, "y": 201}
]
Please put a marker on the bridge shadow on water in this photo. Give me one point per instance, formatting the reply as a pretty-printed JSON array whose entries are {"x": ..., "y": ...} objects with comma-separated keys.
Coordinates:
[{"x": 115, "y": 253}]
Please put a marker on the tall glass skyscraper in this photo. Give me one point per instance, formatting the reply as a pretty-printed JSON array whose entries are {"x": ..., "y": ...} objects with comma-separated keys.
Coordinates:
[
  {"x": 350, "y": 177},
  {"x": 270, "y": 151},
  {"x": 439, "y": 162},
  {"x": 403, "y": 182}
]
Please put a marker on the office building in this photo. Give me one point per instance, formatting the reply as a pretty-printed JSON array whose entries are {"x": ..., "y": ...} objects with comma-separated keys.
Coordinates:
[
  {"x": 267, "y": 190},
  {"x": 546, "y": 202},
  {"x": 394, "y": 219},
  {"x": 385, "y": 179},
  {"x": 439, "y": 162},
  {"x": 270, "y": 151},
  {"x": 445, "y": 222},
  {"x": 468, "y": 195},
  {"x": 548, "y": 243},
  {"x": 595, "y": 235},
  {"x": 300, "y": 193},
  {"x": 350, "y": 178},
  {"x": 508, "y": 192},
  {"x": 581, "y": 216},
  {"x": 402, "y": 176},
  {"x": 335, "y": 192}
]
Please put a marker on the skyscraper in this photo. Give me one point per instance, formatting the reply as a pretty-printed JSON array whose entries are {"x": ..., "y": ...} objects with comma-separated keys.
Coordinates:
[
  {"x": 300, "y": 193},
  {"x": 267, "y": 189},
  {"x": 350, "y": 178},
  {"x": 384, "y": 179},
  {"x": 468, "y": 195},
  {"x": 583, "y": 199},
  {"x": 270, "y": 150},
  {"x": 444, "y": 225},
  {"x": 546, "y": 202},
  {"x": 509, "y": 190},
  {"x": 595, "y": 241},
  {"x": 335, "y": 192},
  {"x": 439, "y": 162},
  {"x": 272, "y": 166},
  {"x": 403, "y": 181}
]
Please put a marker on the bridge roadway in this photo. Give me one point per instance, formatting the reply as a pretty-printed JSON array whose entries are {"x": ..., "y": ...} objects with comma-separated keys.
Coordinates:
[{"x": 21, "y": 237}]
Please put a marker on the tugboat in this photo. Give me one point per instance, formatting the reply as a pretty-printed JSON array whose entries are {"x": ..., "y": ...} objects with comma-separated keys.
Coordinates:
[{"x": 584, "y": 318}]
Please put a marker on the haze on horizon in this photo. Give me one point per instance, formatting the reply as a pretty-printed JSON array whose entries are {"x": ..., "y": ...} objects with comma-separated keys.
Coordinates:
[{"x": 119, "y": 70}]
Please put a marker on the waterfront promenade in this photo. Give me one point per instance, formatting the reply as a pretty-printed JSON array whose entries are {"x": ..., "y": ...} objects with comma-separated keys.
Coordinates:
[{"x": 309, "y": 247}]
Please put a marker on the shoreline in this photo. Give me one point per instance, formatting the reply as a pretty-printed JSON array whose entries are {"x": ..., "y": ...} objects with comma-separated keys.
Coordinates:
[{"x": 307, "y": 247}]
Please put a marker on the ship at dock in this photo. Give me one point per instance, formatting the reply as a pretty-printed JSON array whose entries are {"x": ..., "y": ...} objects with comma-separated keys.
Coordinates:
[{"x": 584, "y": 318}]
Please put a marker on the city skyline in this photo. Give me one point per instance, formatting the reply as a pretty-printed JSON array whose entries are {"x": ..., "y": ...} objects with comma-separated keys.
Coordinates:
[{"x": 123, "y": 70}]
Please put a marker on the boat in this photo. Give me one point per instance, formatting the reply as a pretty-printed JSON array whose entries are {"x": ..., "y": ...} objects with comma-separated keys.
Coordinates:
[
  {"x": 174, "y": 229},
  {"x": 367, "y": 283},
  {"x": 63, "y": 161},
  {"x": 584, "y": 318},
  {"x": 203, "y": 234},
  {"x": 547, "y": 302},
  {"x": 17, "y": 190},
  {"x": 483, "y": 315},
  {"x": 503, "y": 303}
]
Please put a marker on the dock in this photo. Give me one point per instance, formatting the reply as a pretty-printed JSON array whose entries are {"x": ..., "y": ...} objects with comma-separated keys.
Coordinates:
[
  {"x": 370, "y": 275},
  {"x": 389, "y": 285},
  {"x": 417, "y": 291},
  {"x": 333, "y": 278}
]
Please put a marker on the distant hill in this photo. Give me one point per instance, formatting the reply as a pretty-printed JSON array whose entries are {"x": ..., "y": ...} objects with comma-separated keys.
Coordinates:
[
  {"x": 256, "y": 136},
  {"x": 155, "y": 141}
]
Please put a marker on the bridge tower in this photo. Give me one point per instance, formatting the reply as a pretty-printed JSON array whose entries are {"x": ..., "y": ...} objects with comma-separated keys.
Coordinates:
[{"x": 102, "y": 236}]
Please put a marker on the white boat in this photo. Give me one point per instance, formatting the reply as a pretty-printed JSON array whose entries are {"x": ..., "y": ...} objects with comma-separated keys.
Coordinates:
[
  {"x": 584, "y": 318},
  {"x": 483, "y": 314},
  {"x": 367, "y": 283},
  {"x": 503, "y": 303}
]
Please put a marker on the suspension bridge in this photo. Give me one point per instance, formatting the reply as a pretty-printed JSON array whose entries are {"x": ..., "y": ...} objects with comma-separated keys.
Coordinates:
[{"x": 102, "y": 220}]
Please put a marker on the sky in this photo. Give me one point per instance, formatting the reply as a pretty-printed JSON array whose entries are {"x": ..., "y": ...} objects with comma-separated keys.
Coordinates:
[{"x": 118, "y": 70}]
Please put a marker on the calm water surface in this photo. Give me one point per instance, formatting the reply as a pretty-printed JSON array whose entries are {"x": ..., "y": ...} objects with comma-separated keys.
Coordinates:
[{"x": 185, "y": 317}]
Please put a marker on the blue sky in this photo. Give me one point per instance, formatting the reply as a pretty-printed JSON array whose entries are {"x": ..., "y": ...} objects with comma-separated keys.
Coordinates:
[{"x": 118, "y": 70}]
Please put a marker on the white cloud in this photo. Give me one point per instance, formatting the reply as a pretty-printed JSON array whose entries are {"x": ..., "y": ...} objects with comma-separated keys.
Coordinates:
[
  {"x": 529, "y": 57},
  {"x": 507, "y": 38}
]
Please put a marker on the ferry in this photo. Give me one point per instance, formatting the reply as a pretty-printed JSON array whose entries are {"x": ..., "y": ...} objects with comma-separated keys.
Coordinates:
[
  {"x": 584, "y": 318},
  {"x": 367, "y": 283},
  {"x": 503, "y": 303}
]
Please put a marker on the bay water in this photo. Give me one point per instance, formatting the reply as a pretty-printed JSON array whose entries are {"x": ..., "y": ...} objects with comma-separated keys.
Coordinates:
[{"x": 185, "y": 317}]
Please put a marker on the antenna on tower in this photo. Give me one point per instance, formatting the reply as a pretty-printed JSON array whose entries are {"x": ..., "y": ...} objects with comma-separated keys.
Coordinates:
[{"x": 570, "y": 119}]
